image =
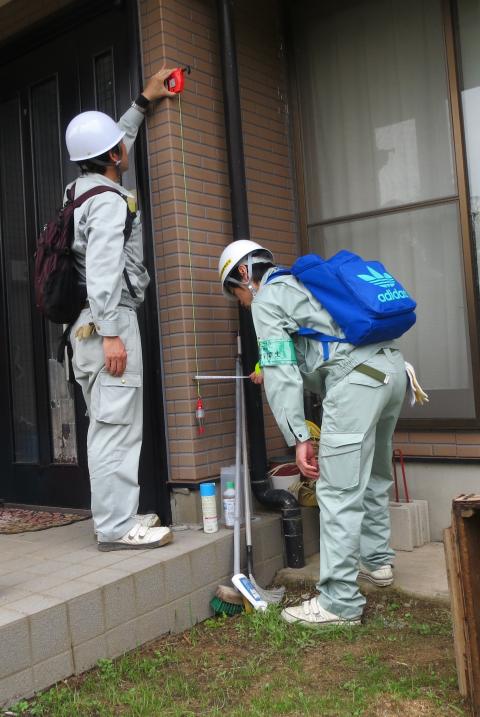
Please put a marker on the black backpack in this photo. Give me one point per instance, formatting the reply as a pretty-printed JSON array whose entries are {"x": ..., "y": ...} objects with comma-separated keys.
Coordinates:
[{"x": 58, "y": 293}]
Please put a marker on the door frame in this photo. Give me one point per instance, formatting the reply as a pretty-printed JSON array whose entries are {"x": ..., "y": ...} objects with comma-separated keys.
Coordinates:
[{"x": 155, "y": 495}]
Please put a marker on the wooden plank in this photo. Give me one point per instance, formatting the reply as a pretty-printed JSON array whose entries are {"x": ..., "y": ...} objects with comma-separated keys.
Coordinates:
[
  {"x": 466, "y": 539},
  {"x": 458, "y": 612}
]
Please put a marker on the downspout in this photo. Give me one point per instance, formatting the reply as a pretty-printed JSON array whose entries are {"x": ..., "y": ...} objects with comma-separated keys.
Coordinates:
[{"x": 290, "y": 509}]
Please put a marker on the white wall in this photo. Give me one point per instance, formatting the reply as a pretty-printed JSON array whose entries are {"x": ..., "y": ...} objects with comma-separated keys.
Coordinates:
[{"x": 439, "y": 483}]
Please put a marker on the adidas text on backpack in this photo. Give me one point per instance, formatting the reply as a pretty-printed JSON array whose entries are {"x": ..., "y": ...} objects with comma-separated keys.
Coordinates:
[
  {"x": 365, "y": 300},
  {"x": 58, "y": 293}
]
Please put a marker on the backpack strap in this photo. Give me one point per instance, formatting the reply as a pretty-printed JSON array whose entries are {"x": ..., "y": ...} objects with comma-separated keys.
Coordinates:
[
  {"x": 128, "y": 221},
  {"x": 324, "y": 339}
]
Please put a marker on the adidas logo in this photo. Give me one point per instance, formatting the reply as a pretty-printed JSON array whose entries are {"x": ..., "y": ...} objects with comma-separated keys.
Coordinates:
[
  {"x": 392, "y": 295},
  {"x": 384, "y": 280}
]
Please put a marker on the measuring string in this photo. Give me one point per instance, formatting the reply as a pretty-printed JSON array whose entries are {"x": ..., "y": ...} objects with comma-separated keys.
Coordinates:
[{"x": 199, "y": 410}]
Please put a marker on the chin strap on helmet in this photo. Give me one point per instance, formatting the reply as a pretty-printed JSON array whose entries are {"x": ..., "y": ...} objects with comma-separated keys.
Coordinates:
[{"x": 248, "y": 284}]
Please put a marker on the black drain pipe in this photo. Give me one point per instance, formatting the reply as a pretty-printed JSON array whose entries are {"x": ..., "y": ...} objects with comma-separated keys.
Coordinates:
[{"x": 291, "y": 515}]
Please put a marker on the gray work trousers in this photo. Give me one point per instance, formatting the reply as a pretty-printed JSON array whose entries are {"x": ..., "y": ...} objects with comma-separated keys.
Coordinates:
[
  {"x": 359, "y": 418},
  {"x": 115, "y": 409}
]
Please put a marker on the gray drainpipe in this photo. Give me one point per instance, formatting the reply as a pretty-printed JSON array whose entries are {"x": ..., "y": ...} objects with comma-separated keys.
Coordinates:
[{"x": 291, "y": 514}]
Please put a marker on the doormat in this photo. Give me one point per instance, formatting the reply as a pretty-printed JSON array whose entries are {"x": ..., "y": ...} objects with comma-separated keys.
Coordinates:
[{"x": 23, "y": 520}]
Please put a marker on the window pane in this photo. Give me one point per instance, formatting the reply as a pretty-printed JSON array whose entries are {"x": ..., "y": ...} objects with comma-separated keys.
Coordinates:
[
  {"x": 421, "y": 248},
  {"x": 17, "y": 286},
  {"x": 104, "y": 86},
  {"x": 374, "y": 103},
  {"x": 48, "y": 184}
]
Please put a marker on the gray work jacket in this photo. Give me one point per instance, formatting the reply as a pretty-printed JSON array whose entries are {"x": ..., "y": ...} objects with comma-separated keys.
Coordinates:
[
  {"x": 100, "y": 252},
  {"x": 278, "y": 310}
]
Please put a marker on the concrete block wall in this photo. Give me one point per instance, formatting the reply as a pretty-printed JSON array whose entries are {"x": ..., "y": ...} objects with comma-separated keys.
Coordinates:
[{"x": 123, "y": 602}]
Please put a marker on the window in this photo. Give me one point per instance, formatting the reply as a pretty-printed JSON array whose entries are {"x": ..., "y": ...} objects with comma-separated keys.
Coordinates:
[{"x": 380, "y": 171}]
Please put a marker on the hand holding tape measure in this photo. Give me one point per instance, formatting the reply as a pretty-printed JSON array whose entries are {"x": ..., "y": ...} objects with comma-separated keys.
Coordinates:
[{"x": 175, "y": 82}]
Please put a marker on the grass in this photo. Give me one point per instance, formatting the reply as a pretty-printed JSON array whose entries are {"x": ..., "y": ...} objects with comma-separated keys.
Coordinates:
[{"x": 400, "y": 662}]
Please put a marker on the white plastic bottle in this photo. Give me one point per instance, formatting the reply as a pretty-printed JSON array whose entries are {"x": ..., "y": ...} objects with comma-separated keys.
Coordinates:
[
  {"x": 229, "y": 504},
  {"x": 209, "y": 507}
]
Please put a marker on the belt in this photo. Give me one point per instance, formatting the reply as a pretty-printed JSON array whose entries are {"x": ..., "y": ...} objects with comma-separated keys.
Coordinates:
[{"x": 373, "y": 373}]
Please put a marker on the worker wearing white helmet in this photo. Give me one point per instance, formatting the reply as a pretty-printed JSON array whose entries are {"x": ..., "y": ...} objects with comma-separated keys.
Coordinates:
[
  {"x": 107, "y": 355},
  {"x": 360, "y": 411}
]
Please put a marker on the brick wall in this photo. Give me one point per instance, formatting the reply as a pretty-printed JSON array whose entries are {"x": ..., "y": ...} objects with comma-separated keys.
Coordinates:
[
  {"x": 185, "y": 31},
  {"x": 436, "y": 444}
]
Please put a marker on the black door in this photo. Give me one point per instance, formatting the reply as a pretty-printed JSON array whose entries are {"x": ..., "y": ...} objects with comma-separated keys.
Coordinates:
[{"x": 87, "y": 65}]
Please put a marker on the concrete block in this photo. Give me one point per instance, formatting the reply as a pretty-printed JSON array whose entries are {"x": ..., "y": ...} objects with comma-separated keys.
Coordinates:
[
  {"x": 7, "y": 597},
  {"x": 183, "y": 613},
  {"x": 414, "y": 518},
  {"x": 425, "y": 520},
  {"x": 185, "y": 505},
  {"x": 420, "y": 520},
  {"x": 86, "y": 616},
  {"x": 15, "y": 653},
  {"x": 150, "y": 590},
  {"x": 122, "y": 638},
  {"x": 178, "y": 577},
  {"x": 70, "y": 590},
  {"x": 200, "y": 603},
  {"x": 204, "y": 568},
  {"x": 17, "y": 686},
  {"x": 49, "y": 632},
  {"x": 53, "y": 670},
  {"x": 272, "y": 540},
  {"x": 224, "y": 555},
  {"x": 16, "y": 578},
  {"x": 402, "y": 533},
  {"x": 89, "y": 653},
  {"x": 119, "y": 602},
  {"x": 34, "y": 603},
  {"x": 104, "y": 576},
  {"x": 154, "y": 624}
]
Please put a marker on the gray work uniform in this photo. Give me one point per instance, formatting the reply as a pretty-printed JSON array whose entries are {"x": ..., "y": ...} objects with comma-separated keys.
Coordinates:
[
  {"x": 359, "y": 417},
  {"x": 115, "y": 404}
]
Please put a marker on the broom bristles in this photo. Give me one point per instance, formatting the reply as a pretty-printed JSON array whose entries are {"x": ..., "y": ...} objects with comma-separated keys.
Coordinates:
[{"x": 273, "y": 596}]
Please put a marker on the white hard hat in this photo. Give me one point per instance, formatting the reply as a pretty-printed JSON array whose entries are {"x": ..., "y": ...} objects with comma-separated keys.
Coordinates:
[
  {"x": 91, "y": 134},
  {"x": 234, "y": 253}
]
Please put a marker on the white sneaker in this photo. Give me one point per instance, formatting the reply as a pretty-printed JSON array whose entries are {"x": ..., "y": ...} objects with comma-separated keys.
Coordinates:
[
  {"x": 151, "y": 520},
  {"x": 381, "y": 577},
  {"x": 140, "y": 537},
  {"x": 312, "y": 614}
]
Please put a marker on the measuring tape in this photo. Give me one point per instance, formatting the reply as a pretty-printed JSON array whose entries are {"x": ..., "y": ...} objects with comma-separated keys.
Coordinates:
[{"x": 175, "y": 82}]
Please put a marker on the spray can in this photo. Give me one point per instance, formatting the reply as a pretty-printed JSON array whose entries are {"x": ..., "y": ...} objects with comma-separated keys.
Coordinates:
[
  {"x": 229, "y": 504},
  {"x": 209, "y": 507}
]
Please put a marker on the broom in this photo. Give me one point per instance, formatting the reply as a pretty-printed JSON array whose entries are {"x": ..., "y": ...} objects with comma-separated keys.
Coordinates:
[
  {"x": 227, "y": 600},
  {"x": 275, "y": 595}
]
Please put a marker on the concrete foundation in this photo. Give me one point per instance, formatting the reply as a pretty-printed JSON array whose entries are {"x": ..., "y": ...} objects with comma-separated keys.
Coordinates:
[{"x": 421, "y": 572}]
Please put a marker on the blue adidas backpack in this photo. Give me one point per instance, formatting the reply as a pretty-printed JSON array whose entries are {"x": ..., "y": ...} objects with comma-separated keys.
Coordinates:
[{"x": 365, "y": 300}]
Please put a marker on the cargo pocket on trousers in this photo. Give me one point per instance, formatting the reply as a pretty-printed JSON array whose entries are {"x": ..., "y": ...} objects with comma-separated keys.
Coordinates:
[
  {"x": 117, "y": 397},
  {"x": 342, "y": 451}
]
